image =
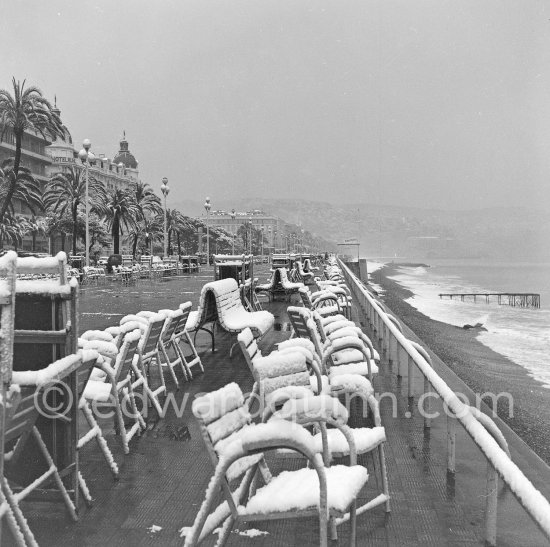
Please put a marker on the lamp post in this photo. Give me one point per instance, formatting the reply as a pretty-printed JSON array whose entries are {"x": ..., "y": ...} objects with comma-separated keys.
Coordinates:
[
  {"x": 164, "y": 188},
  {"x": 262, "y": 230},
  {"x": 207, "y": 206},
  {"x": 250, "y": 236},
  {"x": 87, "y": 158},
  {"x": 233, "y": 231}
]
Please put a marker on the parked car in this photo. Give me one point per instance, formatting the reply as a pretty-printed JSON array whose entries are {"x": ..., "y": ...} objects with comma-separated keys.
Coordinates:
[{"x": 102, "y": 260}]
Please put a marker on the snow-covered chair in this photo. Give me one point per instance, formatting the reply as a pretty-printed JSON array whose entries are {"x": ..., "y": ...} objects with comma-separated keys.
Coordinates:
[
  {"x": 237, "y": 447},
  {"x": 279, "y": 283},
  {"x": 21, "y": 416},
  {"x": 115, "y": 392},
  {"x": 295, "y": 366},
  {"x": 182, "y": 336},
  {"x": 326, "y": 305},
  {"x": 307, "y": 278},
  {"x": 220, "y": 303},
  {"x": 148, "y": 353},
  {"x": 349, "y": 351}
]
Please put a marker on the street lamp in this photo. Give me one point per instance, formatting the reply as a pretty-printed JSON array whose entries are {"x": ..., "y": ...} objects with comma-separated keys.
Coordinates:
[
  {"x": 262, "y": 230},
  {"x": 250, "y": 235},
  {"x": 207, "y": 206},
  {"x": 87, "y": 158},
  {"x": 165, "y": 189},
  {"x": 233, "y": 231}
]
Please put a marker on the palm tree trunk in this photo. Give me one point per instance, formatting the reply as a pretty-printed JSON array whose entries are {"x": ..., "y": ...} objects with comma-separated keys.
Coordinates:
[
  {"x": 179, "y": 244},
  {"x": 116, "y": 236},
  {"x": 134, "y": 245},
  {"x": 11, "y": 189},
  {"x": 74, "y": 229},
  {"x": 63, "y": 241},
  {"x": 33, "y": 241}
]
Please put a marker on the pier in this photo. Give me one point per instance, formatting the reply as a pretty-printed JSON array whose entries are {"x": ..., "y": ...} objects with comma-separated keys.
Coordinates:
[{"x": 517, "y": 300}]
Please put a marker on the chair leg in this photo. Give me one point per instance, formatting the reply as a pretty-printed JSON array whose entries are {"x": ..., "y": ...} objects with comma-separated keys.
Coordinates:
[
  {"x": 16, "y": 520},
  {"x": 194, "y": 354},
  {"x": 384, "y": 474},
  {"x": 84, "y": 490},
  {"x": 68, "y": 502},
  {"x": 225, "y": 531},
  {"x": 168, "y": 364},
  {"x": 96, "y": 433}
]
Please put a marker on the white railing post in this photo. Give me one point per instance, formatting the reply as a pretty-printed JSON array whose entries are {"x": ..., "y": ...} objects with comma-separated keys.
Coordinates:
[
  {"x": 410, "y": 377},
  {"x": 451, "y": 443},
  {"x": 491, "y": 501},
  {"x": 427, "y": 404}
]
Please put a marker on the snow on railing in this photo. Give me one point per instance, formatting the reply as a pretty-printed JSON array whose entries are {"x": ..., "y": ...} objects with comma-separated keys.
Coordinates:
[{"x": 395, "y": 344}]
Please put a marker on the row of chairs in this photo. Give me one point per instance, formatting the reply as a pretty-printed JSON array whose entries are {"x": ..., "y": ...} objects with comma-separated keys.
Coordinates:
[
  {"x": 297, "y": 385},
  {"x": 138, "y": 353}
]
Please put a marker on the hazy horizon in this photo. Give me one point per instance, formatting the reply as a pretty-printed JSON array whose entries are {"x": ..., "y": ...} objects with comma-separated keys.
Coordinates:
[{"x": 432, "y": 104}]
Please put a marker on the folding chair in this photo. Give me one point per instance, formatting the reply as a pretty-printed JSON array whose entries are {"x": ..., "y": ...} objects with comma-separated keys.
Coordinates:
[
  {"x": 236, "y": 448},
  {"x": 181, "y": 335},
  {"x": 20, "y": 428},
  {"x": 174, "y": 321},
  {"x": 115, "y": 392},
  {"x": 148, "y": 352}
]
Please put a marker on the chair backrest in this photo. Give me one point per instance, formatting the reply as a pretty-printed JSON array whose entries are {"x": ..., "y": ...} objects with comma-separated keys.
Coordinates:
[
  {"x": 220, "y": 414},
  {"x": 185, "y": 311},
  {"x": 249, "y": 347},
  {"x": 281, "y": 370},
  {"x": 22, "y": 412},
  {"x": 173, "y": 320},
  {"x": 305, "y": 295},
  {"x": 126, "y": 354},
  {"x": 298, "y": 318},
  {"x": 304, "y": 326},
  {"x": 152, "y": 335}
]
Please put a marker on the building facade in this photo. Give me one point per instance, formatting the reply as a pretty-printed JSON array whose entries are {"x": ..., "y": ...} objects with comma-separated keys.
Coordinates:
[{"x": 273, "y": 227}]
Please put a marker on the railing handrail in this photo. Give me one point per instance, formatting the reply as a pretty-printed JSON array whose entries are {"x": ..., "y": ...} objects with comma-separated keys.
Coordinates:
[{"x": 531, "y": 499}]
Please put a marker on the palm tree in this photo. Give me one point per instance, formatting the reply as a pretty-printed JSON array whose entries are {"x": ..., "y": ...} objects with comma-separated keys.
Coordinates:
[
  {"x": 176, "y": 222},
  {"x": 148, "y": 204},
  {"x": 25, "y": 110},
  {"x": 23, "y": 186},
  {"x": 121, "y": 211},
  {"x": 66, "y": 192}
]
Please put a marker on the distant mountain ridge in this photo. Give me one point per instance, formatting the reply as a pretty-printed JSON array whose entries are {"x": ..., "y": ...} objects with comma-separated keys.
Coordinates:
[{"x": 386, "y": 230}]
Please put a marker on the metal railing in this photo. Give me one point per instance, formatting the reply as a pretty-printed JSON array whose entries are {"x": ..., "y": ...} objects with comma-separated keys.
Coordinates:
[{"x": 398, "y": 349}]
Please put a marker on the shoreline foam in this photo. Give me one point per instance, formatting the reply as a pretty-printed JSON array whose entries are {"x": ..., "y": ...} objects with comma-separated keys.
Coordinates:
[{"x": 481, "y": 368}]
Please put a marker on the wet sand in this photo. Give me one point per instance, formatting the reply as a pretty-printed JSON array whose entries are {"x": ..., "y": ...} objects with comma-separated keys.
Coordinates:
[{"x": 481, "y": 368}]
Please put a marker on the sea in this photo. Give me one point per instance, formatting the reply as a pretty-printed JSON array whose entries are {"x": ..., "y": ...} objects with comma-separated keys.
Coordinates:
[{"x": 521, "y": 334}]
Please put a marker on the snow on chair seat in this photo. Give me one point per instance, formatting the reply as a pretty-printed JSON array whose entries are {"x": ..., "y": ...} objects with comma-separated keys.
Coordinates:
[
  {"x": 281, "y": 494},
  {"x": 366, "y": 439}
]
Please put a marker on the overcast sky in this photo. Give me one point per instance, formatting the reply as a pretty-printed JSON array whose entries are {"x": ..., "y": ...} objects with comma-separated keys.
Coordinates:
[{"x": 427, "y": 103}]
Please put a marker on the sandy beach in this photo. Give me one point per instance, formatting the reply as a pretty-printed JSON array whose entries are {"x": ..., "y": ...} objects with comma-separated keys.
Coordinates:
[{"x": 479, "y": 367}]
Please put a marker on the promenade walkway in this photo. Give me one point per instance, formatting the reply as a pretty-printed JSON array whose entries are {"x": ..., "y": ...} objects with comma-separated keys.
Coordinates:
[{"x": 162, "y": 480}]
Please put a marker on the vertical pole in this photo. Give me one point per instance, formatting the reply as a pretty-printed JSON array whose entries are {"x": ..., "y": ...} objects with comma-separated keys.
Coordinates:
[
  {"x": 410, "y": 377},
  {"x": 165, "y": 246},
  {"x": 491, "y": 501},
  {"x": 87, "y": 217},
  {"x": 451, "y": 444},
  {"x": 427, "y": 404},
  {"x": 208, "y": 237}
]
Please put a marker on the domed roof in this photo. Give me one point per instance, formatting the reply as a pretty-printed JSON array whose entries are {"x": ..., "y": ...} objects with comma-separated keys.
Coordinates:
[
  {"x": 124, "y": 155},
  {"x": 66, "y": 134}
]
